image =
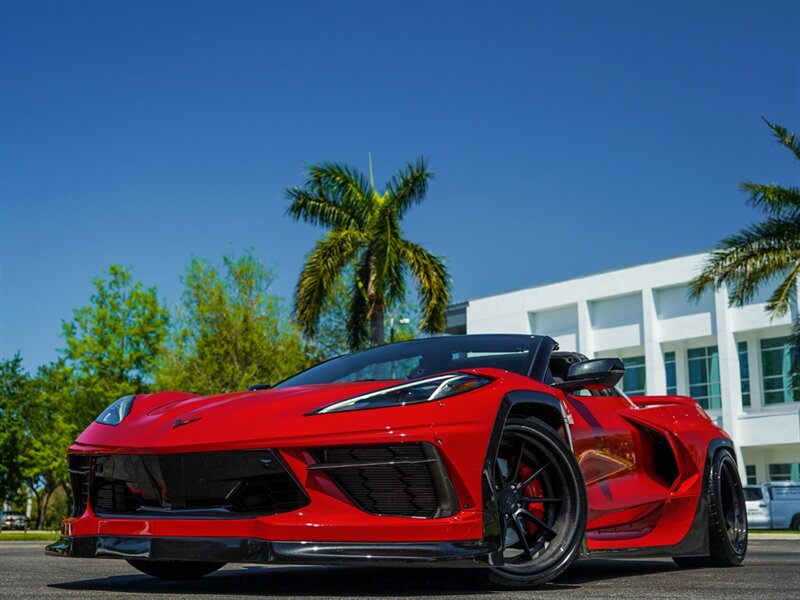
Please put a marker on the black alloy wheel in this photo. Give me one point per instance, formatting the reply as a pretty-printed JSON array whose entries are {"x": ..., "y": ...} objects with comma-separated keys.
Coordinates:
[
  {"x": 727, "y": 517},
  {"x": 541, "y": 497},
  {"x": 179, "y": 570}
]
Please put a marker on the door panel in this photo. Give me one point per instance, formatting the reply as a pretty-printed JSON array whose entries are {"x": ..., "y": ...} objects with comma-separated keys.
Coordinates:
[{"x": 623, "y": 500}]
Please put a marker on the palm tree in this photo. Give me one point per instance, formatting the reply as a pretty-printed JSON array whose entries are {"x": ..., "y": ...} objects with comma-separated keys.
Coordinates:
[
  {"x": 764, "y": 251},
  {"x": 365, "y": 232}
]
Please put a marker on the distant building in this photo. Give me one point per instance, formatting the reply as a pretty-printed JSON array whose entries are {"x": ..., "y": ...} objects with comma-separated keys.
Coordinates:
[{"x": 734, "y": 361}]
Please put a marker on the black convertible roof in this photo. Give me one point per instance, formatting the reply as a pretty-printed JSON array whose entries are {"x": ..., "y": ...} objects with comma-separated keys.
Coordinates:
[{"x": 524, "y": 354}]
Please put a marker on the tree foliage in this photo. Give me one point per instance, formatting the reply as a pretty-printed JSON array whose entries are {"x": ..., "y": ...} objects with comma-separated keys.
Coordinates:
[
  {"x": 365, "y": 233},
  {"x": 52, "y": 417},
  {"x": 231, "y": 331},
  {"x": 331, "y": 337},
  {"x": 113, "y": 344},
  {"x": 14, "y": 386}
]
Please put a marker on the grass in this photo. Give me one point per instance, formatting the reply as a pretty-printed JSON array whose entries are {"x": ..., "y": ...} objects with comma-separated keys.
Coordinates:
[
  {"x": 51, "y": 536},
  {"x": 16, "y": 536},
  {"x": 789, "y": 531}
]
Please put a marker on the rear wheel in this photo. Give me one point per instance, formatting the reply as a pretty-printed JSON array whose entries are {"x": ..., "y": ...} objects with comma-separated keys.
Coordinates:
[
  {"x": 796, "y": 523},
  {"x": 541, "y": 497},
  {"x": 175, "y": 569},
  {"x": 727, "y": 517}
]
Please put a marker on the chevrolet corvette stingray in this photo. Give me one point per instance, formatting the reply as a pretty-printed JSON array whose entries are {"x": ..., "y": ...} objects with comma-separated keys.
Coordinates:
[{"x": 496, "y": 451}]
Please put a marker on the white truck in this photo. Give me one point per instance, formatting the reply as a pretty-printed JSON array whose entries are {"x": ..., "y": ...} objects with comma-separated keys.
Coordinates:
[{"x": 774, "y": 505}]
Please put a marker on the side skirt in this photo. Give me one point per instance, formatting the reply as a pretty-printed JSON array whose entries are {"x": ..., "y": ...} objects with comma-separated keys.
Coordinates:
[{"x": 695, "y": 543}]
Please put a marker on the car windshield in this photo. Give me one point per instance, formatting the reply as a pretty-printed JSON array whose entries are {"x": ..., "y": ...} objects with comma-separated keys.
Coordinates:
[
  {"x": 751, "y": 493},
  {"x": 420, "y": 358}
]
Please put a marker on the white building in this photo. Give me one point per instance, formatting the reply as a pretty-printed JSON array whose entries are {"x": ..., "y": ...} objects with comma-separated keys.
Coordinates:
[{"x": 734, "y": 361}]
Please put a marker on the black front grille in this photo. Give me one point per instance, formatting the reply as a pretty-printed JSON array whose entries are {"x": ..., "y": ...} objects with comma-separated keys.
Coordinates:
[
  {"x": 405, "y": 480},
  {"x": 215, "y": 484},
  {"x": 79, "y": 467}
]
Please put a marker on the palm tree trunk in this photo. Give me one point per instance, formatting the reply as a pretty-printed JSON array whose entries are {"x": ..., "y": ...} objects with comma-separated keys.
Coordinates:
[
  {"x": 376, "y": 308},
  {"x": 376, "y": 323}
]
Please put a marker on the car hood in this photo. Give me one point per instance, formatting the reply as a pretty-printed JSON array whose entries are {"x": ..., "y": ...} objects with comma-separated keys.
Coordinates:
[{"x": 277, "y": 416}]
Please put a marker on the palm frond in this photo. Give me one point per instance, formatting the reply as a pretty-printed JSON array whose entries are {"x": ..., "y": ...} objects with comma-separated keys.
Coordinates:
[
  {"x": 358, "y": 318},
  {"x": 346, "y": 186},
  {"x": 312, "y": 206},
  {"x": 386, "y": 236},
  {"x": 778, "y": 303},
  {"x": 323, "y": 265},
  {"x": 775, "y": 200},
  {"x": 746, "y": 260},
  {"x": 409, "y": 186},
  {"x": 434, "y": 285},
  {"x": 790, "y": 140},
  {"x": 333, "y": 195}
]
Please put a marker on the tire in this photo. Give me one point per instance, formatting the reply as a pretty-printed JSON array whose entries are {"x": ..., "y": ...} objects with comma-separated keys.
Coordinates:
[
  {"x": 796, "y": 523},
  {"x": 540, "y": 539},
  {"x": 727, "y": 517},
  {"x": 177, "y": 570}
]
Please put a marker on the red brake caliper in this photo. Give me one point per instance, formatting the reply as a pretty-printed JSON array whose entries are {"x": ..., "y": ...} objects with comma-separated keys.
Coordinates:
[{"x": 532, "y": 490}]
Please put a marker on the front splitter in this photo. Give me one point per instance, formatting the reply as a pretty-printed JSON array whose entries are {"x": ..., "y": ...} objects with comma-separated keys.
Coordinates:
[{"x": 248, "y": 550}]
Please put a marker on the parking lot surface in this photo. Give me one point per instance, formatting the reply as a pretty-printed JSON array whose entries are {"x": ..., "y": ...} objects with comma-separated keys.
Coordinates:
[{"x": 771, "y": 571}]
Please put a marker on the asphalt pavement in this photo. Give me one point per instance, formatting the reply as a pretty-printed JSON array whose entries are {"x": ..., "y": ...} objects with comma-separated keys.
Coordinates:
[{"x": 771, "y": 571}]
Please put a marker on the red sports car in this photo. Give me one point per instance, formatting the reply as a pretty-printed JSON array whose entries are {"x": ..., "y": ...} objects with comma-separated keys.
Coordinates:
[{"x": 493, "y": 450}]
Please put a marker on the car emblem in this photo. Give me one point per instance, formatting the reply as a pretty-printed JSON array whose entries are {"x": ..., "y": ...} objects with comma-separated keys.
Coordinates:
[{"x": 181, "y": 422}]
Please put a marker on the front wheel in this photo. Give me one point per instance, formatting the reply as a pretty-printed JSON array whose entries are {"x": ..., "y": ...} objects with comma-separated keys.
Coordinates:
[
  {"x": 541, "y": 498},
  {"x": 727, "y": 517},
  {"x": 175, "y": 569}
]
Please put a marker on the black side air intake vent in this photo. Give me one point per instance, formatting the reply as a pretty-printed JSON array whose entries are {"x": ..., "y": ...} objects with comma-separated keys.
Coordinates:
[{"x": 403, "y": 480}]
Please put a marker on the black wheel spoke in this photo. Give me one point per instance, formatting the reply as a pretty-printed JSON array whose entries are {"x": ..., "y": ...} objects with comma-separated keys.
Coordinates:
[
  {"x": 530, "y": 500},
  {"x": 534, "y": 475},
  {"x": 526, "y": 549},
  {"x": 537, "y": 521},
  {"x": 517, "y": 462}
]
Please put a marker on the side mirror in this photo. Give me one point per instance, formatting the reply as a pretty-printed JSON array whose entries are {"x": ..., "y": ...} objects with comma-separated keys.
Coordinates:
[{"x": 601, "y": 372}]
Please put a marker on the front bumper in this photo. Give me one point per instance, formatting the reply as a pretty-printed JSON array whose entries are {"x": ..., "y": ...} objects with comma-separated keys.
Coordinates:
[{"x": 248, "y": 550}]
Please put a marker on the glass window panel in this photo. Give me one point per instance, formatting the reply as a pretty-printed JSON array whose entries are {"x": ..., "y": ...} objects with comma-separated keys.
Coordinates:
[
  {"x": 704, "y": 384},
  {"x": 750, "y": 471},
  {"x": 669, "y": 368},
  {"x": 744, "y": 373},
  {"x": 780, "y": 472},
  {"x": 776, "y": 365},
  {"x": 634, "y": 381}
]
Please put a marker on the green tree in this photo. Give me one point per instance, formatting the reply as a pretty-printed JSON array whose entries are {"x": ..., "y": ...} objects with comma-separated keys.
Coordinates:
[
  {"x": 14, "y": 386},
  {"x": 764, "y": 252},
  {"x": 231, "y": 331},
  {"x": 114, "y": 343},
  {"x": 50, "y": 427},
  {"x": 365, "y": 232}
]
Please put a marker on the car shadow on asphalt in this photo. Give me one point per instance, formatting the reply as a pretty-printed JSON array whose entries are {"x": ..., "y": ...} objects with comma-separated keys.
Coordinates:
[{"x": 338, "y": 581}]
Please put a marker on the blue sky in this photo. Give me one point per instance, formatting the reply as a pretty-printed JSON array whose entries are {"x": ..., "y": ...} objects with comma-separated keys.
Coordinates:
[{"x": 566, "y": 138}]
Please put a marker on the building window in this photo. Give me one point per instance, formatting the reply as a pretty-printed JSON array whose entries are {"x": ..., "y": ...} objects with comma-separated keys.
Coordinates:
[
  {"x": 750, "y": 471},
  {"x": 784, "y": 472},
  {"x": 704, "y": 377},
  {"x": 744, "y": 373},
  {"x": 669, "y": 369},
  {"x": 634, "y": 382},
  {"x": 776, "y": 362}
]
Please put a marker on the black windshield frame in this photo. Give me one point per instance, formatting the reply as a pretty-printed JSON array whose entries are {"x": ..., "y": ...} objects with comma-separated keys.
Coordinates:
[{"x": 533, "y": 364}]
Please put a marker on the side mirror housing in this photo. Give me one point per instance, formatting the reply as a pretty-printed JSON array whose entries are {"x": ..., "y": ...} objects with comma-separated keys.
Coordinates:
[{"x": 598, "y": 372}]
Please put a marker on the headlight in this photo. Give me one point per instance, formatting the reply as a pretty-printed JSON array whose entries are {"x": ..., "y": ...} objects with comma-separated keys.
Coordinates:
[
  {"x": 114, "y": 414},
  {"x": 414, "y": 392}
]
